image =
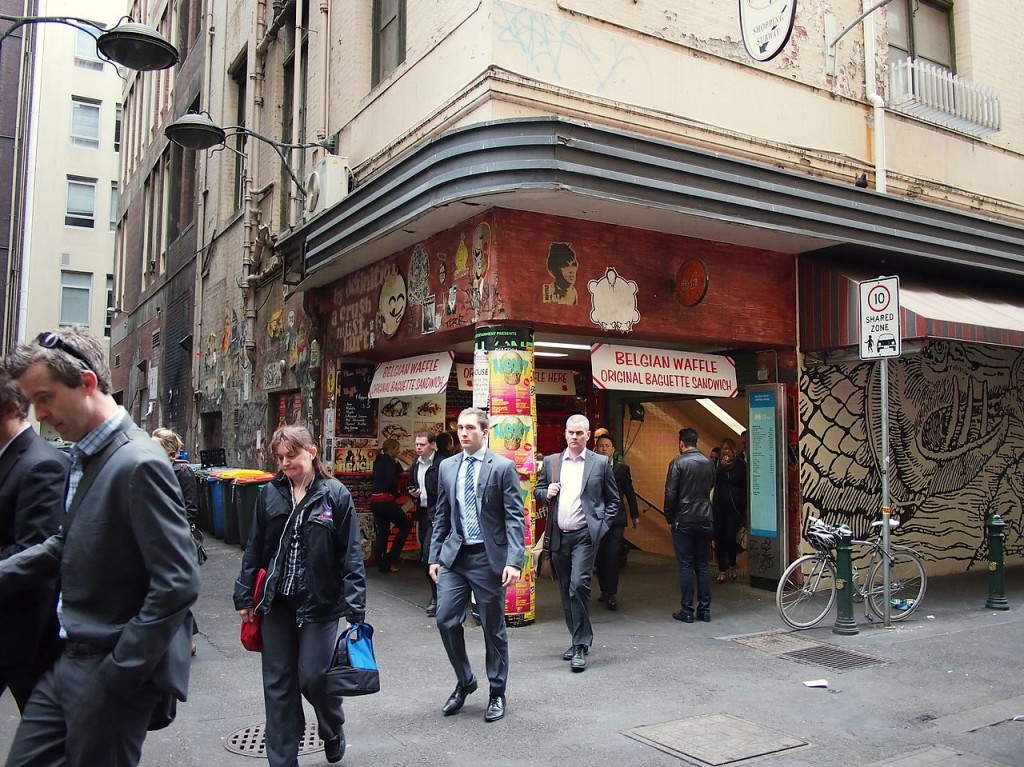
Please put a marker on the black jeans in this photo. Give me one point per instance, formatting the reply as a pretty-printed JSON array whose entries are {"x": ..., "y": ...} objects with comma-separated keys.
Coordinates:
[
  {"x": 693, "y": 547},
  {"x": 609, "y": 556},
  {"x": 386, "y": 514}
]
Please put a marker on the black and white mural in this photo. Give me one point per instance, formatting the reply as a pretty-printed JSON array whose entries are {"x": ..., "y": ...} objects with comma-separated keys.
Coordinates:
[{"x": 956, "y": 439}]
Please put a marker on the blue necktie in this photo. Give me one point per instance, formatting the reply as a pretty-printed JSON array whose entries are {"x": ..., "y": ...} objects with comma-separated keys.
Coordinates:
[{"x": 470, "y": 513}]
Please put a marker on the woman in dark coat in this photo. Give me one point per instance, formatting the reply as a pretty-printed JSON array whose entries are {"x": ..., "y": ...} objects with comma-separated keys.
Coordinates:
[
  {"x": 609, "y": 551},
  {"x": 305, "y": 534},
  {"x": 729, "y": 507},
  {"x": 385, "y": 508}
]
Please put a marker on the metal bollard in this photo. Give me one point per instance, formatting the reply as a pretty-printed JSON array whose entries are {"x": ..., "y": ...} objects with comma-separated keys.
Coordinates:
[
  {"x": 845, "y": 624},
  {"x": 994, "y": 527}
]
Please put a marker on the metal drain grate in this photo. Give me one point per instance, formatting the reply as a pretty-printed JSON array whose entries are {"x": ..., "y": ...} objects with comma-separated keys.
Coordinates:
[
  {"x": 251, "y": 741},
  {"x": 830, "y": 656}
]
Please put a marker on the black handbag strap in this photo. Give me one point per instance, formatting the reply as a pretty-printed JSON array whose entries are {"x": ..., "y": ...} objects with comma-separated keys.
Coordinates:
[
  {"x": 90, "y": 471},
  {"x": 556, "y": 468}
]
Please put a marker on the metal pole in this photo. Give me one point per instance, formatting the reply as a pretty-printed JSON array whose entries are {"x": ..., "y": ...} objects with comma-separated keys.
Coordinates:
[{"x": 886, "y": 507}]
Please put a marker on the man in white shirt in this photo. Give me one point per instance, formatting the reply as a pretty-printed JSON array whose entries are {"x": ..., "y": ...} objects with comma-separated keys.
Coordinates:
[{"x": 579, "y": 488}]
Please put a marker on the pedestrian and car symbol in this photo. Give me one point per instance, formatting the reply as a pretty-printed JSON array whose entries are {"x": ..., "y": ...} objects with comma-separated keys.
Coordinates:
[{"x": 880, "y": 321}]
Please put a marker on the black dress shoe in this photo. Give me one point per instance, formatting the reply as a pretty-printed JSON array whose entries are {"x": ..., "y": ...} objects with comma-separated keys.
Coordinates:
[
  {"x": 567, "y": 655},
  {"x": 704, "y": 615},
  {"x": 334, "y": 748},
  {"x": 495, "y": 708},
  {"x": 431, "y": 608},
  {"x": 612, "y": 602},
  {"x": 579, "y": 659},
  {"x": 602, "y": 598},
  {"x": 683, "y": 616},
  {"x": 455, "y": 701}
]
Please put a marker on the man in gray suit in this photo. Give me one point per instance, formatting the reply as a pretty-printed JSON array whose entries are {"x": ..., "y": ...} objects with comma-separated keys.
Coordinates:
[
  {"x": 127, "y": 564},
  {"x": 32, "y": 477},
  {"x": 579, "y": 488},
  {"x": 477, "y": 545}
]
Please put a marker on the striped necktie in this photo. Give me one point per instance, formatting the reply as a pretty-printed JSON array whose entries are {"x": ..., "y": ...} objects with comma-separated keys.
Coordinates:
[{"x": 470, "y": 512}]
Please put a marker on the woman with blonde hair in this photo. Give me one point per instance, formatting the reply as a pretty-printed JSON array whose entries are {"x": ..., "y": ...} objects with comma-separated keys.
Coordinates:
[{"x": 305, "y": 534}]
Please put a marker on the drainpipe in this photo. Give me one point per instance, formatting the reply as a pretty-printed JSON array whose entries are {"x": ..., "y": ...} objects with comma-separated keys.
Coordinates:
[
  {"x": 325, "y": 65},
  {"x": 298, "y": 77},
  {"x": 874, "y": 98}
]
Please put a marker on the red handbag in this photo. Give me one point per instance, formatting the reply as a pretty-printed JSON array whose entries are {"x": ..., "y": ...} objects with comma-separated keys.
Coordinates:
[{"x": 251, "y": 636}]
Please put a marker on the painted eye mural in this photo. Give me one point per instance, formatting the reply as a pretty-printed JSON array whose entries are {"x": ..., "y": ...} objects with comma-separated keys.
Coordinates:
[{"x": 391, "y": 306}]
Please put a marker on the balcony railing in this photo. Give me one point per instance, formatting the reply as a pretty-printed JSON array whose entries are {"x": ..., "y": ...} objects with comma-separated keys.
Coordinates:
[{"x": 935, "y": 94}]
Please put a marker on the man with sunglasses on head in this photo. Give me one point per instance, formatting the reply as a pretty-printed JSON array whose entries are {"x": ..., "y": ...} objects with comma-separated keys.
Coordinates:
[{"x": 127, "y": 567}]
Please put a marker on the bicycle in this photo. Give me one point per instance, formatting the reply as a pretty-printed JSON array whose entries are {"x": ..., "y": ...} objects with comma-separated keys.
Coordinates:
[{"x": 807, "y": 589}]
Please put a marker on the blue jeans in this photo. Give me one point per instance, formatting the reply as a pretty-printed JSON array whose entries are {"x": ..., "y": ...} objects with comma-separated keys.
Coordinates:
[{"x": 693, "y": 548}]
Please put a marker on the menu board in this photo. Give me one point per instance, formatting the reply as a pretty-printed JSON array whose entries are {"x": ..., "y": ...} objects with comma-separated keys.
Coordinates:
[{"x": 357, "y": 413}]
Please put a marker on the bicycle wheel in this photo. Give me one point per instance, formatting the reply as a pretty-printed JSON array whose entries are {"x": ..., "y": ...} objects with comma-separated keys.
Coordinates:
[
  {"x": 907, "y": 581},
  {"x": 806, "y": 591}
]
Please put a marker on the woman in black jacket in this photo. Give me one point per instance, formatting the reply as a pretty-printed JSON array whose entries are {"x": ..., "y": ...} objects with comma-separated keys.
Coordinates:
[
  {"x": 385, "y": 509},
  {"x": 730, "y": 510},
  {"x": 305, "y": 534}
]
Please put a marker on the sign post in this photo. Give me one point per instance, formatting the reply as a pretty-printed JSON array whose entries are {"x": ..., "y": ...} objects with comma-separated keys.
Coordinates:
[{"x": 881, "y": 337}]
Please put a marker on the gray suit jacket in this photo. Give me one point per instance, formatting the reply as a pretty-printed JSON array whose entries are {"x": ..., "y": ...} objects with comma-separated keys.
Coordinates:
[
  {"x": 500, "y": 502},
  {"x": 128, "y": 570},
  {"x": 599, "y": 496}
]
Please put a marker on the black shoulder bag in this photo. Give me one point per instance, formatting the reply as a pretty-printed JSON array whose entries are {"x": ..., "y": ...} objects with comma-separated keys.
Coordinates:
[{"x": 545, "y": 567}]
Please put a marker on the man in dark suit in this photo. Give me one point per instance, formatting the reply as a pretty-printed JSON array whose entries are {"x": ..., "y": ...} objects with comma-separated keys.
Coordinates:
[
  {"x": 477, "y": 545},
  {"x": 127, "y": 565},
  {"x": 582, "y": 497},
  {"x": 32, "y": 477},
  {"x": 423, "y": 489}
]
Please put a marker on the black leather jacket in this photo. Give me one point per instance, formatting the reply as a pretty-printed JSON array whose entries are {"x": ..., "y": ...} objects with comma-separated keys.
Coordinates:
[
  {"x": 688, "y": 486},
  {"x": 333, "y": 578}
]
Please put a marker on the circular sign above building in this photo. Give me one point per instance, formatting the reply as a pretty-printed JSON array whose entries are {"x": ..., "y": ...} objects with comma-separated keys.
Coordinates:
[{"x": 692, "y": 282}]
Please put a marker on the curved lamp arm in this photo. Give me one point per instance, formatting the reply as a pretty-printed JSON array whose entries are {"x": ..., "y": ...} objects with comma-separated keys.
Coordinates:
[{"x": 280, "y": 146}]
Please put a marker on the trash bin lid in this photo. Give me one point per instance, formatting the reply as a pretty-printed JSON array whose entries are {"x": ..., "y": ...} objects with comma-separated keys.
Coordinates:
[{"x": 262, "y": 477}]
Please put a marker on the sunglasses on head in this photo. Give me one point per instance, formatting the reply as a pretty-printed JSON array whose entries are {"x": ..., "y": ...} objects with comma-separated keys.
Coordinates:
[{"x": 50, "y": 340}]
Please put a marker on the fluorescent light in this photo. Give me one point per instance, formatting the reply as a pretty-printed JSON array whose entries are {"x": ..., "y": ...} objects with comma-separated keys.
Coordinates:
[
  {"x": 722, "y": 416},
  {"x": 559, "y": 345},
  {"x": 550, "y": 354}
]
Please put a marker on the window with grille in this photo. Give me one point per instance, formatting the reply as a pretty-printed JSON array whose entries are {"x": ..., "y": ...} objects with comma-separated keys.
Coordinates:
[
  {"x": 921, "y": 29},
  {"x": 80, "y": 209},
  {"x": 75, "y": 297}
]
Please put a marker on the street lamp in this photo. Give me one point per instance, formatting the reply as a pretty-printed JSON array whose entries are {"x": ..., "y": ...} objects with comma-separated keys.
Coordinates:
[
  {"x": 197, "y": 130},
  {"x": 132, "y": 45}
]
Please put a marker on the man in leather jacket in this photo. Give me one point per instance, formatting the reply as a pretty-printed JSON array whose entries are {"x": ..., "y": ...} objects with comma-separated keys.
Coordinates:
[{"x": 691, "y": 477}]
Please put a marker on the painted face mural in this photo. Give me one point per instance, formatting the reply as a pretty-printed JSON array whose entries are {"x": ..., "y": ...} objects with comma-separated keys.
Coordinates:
[{"x": 391, "y": 306}]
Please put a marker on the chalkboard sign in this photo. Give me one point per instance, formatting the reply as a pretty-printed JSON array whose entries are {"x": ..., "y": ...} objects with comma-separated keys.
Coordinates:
[{"x": 357, "y": 413}]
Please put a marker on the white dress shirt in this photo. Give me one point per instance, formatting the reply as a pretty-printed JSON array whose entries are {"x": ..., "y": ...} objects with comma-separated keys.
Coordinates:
[{"x": 570, "y": 506}]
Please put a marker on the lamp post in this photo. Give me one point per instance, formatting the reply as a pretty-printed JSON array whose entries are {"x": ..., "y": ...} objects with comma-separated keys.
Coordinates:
[
  {"x": 197, "y": 130},
  {"x": 132, "y": 45}
]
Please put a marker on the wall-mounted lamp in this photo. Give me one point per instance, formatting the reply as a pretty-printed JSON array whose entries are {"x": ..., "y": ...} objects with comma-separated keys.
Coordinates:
[
  {"x": 132, "y": 45},
  {"x": 197, "y": 130},
  {"x": 186, "y": 343}
]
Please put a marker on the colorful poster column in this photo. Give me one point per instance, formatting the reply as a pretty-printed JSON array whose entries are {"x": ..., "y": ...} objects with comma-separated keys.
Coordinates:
[{"x": 504, "y": 359}]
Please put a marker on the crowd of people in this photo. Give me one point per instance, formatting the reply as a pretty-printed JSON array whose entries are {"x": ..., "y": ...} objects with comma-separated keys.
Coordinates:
[{"x": 98, "y": 623}]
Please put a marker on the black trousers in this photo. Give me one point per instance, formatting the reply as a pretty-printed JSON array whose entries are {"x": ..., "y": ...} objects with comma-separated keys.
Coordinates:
[
  {"x": 295, "y": 661},
  {"x": 574, "y": 561},
  {"x": 424, "y": 529},
  {"x": 609, "y": 557},
  {"x": 386, "y": 514},
  {"x": 73, "y": 719}
]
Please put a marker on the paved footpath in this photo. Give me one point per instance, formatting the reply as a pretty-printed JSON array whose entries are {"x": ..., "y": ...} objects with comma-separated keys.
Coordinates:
[{"x": 943, "y": 689}]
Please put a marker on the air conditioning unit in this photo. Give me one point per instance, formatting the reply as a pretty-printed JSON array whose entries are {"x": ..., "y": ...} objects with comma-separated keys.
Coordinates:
[{"x": 326, "y": 185}]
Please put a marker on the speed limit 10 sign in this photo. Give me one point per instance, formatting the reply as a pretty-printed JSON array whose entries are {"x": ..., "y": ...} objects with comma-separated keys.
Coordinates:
[{"x": 880, "y": 331}]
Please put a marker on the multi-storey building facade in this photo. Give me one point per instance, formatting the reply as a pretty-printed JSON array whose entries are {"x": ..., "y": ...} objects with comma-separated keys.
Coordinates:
[
  {"x": 61, "y": 269},
  {"x": 632, "y": 174}
]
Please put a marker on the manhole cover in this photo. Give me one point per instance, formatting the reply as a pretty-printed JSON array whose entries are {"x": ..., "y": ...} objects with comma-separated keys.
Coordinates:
[
  {"x": 830, "y": 656},
  {"x": 251, "y": 741},
  {"x": 776, "y": 642},
  {"x": 714, "y": 739}
]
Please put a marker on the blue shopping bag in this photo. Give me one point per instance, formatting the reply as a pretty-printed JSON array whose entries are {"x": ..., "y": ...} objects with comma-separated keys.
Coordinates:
[{"x": 353, "y": 669}]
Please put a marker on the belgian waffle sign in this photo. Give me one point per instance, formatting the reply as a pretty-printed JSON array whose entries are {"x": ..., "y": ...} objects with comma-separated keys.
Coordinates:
[{"x": 766, "y": 26}]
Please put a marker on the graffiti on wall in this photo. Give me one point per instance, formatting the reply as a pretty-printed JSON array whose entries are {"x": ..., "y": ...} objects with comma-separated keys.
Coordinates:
[
  {"x": 613, "y": 302},
  {"x": 956, "y": 439}
]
